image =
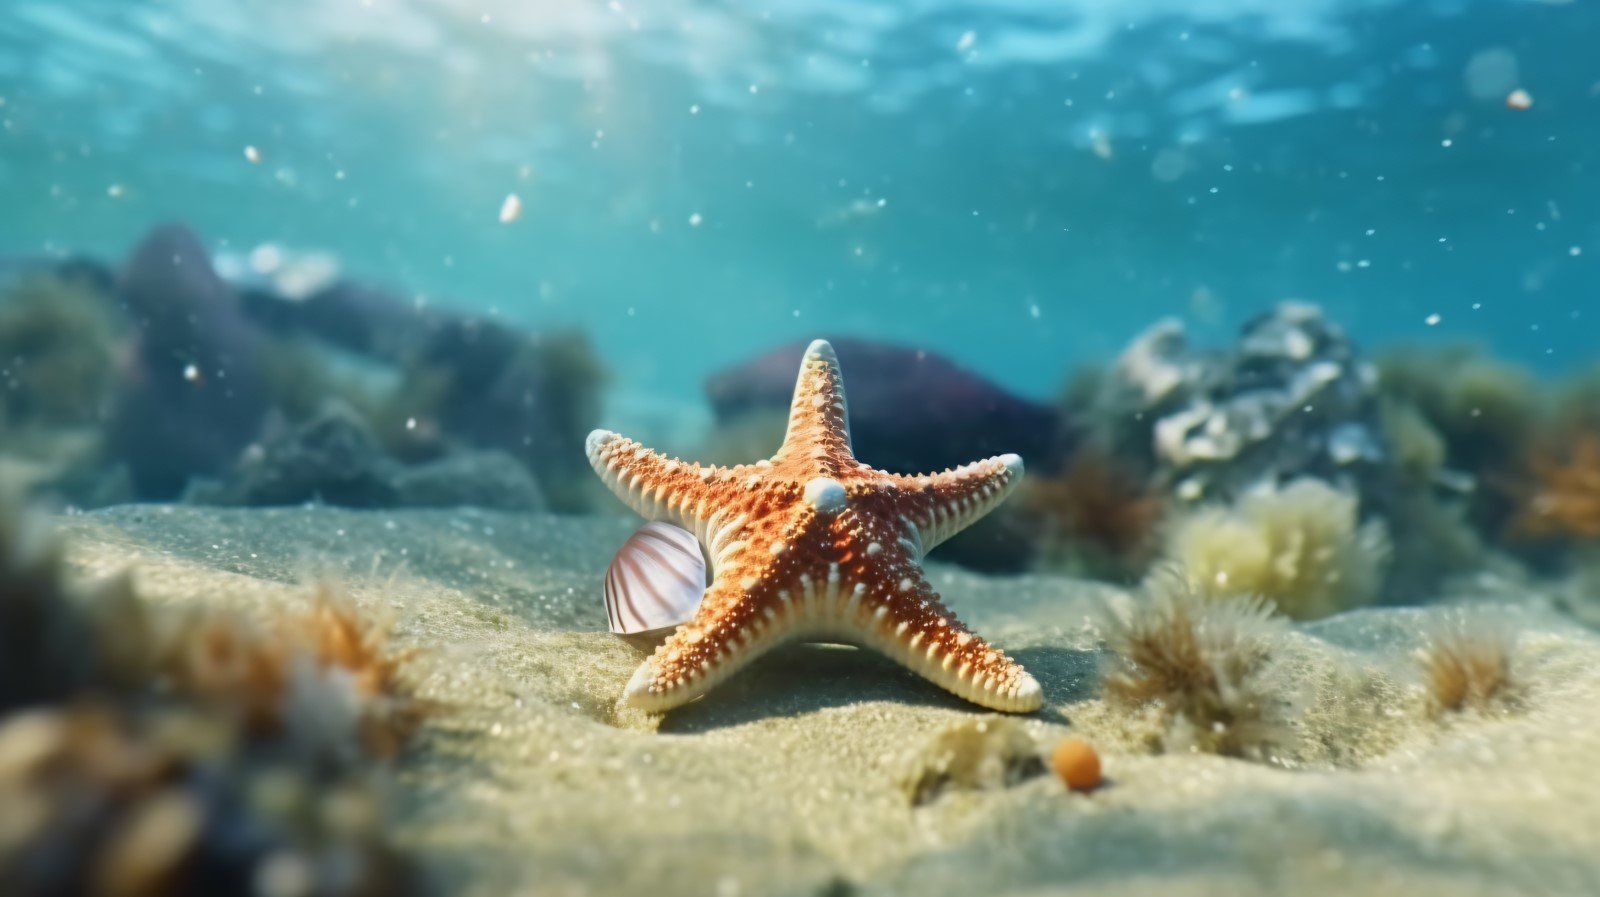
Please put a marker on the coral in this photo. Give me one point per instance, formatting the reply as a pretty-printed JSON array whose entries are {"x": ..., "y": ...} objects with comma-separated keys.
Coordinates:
[
  {"x": 1095, "y": 515},
  {"x": 326, "y": 677},
  {"x": 1291, "y": 397},
  {"x": 1561, "y": 494},
  {"x": 1300, "y": 546},
  {"x": 57, "y": 641},
  {"x": 983, "y": 754},
  {"x": 1197, "y": 660},
  {"x": 1468, "y": 666},
  {"x": 135, "y": 758},
  {"x": 104, "y": 799},
  {"x": 1077, "y": 764},
  {"x": 349, "y": 646}
]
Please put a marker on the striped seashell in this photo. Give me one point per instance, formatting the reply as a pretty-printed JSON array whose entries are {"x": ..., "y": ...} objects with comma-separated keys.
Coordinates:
[{"x": 655, "y": 583}]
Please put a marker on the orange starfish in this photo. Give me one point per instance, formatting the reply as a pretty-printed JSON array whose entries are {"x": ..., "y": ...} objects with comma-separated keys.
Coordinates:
[{"x": 814, "y": 545}]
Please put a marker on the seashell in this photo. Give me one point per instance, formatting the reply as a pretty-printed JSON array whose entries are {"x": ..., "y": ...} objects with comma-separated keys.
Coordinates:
[{"x": 655, "y": 583}]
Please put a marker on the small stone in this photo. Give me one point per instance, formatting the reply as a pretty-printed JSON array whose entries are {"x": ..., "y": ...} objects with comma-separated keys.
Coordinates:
[{"x": 1077, "y": 764}]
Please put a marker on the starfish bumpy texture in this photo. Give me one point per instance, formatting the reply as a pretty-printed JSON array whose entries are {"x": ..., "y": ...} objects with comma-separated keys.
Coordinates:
[{"x": 814, "y": 545}]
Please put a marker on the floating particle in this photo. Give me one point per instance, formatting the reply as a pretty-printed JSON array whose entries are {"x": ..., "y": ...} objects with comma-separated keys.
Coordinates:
[
  {"x": 115, "y": 191},
  {"x": 1100, "y": 144},
  {"x": 1519, "y": 100},
  {"x": 511, "y": 209},
  {"x": 253, "y": 155},
  {"x": 968, "y": 39},
  {"x": 695, "y": 219},
  {"x": 1432, "y": 320},
  {"x": 191, "y": 373},
  {"x": 694, "y": 109},
  {"x": 1575, "y": 251},
  {"x": 1446, "y": 143}
]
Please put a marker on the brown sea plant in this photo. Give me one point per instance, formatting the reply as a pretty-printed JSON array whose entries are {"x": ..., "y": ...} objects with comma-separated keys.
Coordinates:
[
  {"x": 1467, "y": 666},
  {"x": 1198, "y": 662},
  {"x": 1096, "y": 512},
  {"x": 1560, "y": 497}
]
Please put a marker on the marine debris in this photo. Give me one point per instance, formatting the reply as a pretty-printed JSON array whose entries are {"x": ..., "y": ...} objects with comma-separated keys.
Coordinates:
[{"x": 812, "y": 543}]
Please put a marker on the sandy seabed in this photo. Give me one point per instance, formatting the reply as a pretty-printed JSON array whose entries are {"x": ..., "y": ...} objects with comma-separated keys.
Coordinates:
[{"x": 791, "y": 778}]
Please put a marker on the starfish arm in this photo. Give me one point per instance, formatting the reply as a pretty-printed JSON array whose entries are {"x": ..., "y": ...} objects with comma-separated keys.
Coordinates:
[
  {"x": 922, "y": 634},
  {"x": 819, "y": 425},
  {"x": 657, "y": 487},
  {"x": 727, "y": 632},
  {"x": 949, "y": 502}
]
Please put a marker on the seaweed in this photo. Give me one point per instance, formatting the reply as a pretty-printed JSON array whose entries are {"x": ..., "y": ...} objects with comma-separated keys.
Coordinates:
[{"x": 57, "y": 349}]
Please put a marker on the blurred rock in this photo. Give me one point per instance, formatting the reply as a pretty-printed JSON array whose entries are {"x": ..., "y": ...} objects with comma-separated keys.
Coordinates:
[
  {"x": 490, "y": 479},
  {"x": 193, "y": 394},
  {"x": 1291, "y": 398},
  {"x": 534, "y": 397},
  {"x": 465, "y": 381},
  {"x": 911, "y": 411},
  {"x": 357, "y": 317},
  {"x": 335, "y": 459}
]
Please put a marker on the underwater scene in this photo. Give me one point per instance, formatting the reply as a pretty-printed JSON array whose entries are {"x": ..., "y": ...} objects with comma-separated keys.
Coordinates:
[{"x": 830, "y": 448}]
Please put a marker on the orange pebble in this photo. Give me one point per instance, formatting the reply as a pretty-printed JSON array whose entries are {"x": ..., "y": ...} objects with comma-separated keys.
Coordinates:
[{"x": 1077, "y": 764}]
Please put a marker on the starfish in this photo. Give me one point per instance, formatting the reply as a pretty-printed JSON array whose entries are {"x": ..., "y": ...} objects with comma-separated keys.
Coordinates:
[{"x": 814, "y": 545}]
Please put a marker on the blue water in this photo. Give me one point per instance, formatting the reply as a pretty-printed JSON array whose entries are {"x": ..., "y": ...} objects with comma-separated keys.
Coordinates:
[{"x": 1021, "y": 185}]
